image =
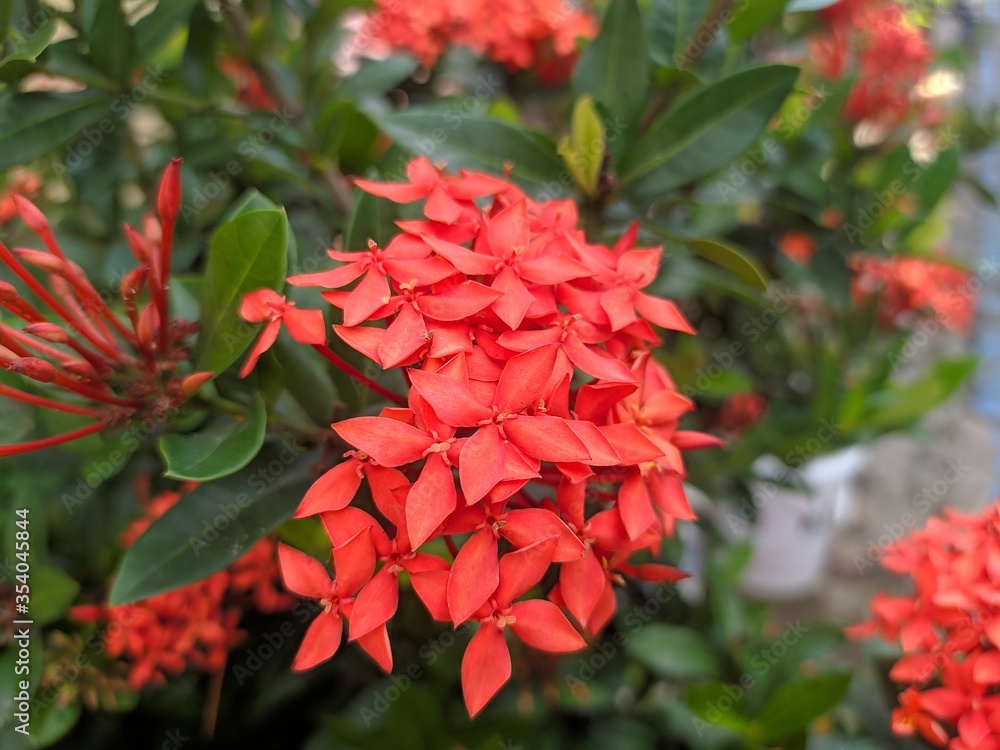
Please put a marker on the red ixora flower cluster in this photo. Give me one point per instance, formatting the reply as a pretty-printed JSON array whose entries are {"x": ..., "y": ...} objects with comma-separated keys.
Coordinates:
[
  {"x": 907, "y": 285},
  {"x": 538, "y": 35},
  {"x": 538, "y": 429},
  {"x": 948, "y": 630},
  {"x": 110, "y": 368},
  {"x": 889, "y": 54},
  {"x": 192, "y": 627}
]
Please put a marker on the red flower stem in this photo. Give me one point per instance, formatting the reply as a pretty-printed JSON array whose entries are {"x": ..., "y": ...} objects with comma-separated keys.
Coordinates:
[
  {"x": 90, "y": 325},
  {"x": 13, "y": 338},
  {"x": 342, "y": 364},
  {"x": 23, "y": 309},
  {"x": 15, "y": 265},
  {"x": 161, "y": 282},
  {"x": 93, "y": 301},
  {"x": 48, "y": 403},
  {"x": 66, "y": 437},
  {"x": 452, "y": 547},
  {"x": 64, "y": 381}
]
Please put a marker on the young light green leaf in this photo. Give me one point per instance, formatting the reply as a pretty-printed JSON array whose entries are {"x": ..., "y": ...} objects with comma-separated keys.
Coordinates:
[
  {"x": 583, "y": 149},
  {"x": 229, "y": 444}
]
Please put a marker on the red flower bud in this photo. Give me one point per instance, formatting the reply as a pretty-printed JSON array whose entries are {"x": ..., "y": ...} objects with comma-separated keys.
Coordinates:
[
  {"x": 34, "y": 368},
  {"x": 168, "y": 201},
  {"x": 138, "y": 243},
  {"x": 80, "y": 367},
  {"x": 48, "y": 332},
  {"x": 194, "y": 381},
  {"x": 40, "y": 259},
  {"x": 31, "y": 215},
  {"x": 133, "y": 282}
]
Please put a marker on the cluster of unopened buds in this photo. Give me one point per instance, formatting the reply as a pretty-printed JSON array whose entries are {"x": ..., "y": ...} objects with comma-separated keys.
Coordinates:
[
  {"x": 537, "y": 430},
  {"x": 889, "y": 53},
  {"x": 192, "y": 627},
  {"x": 948, "y": 630},
  {"x": 94, "y": 361}
]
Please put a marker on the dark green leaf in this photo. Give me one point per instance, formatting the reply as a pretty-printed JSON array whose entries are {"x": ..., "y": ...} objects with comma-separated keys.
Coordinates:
[
  {"x": 250, "y": 252},
  {"x": 749, "y": 18},
  {"x": 731, "y": 257},
  {"x": 706, "y": 130},
  {"x": 214, "y": 524},
  {"x": 672, "y": 651},
  {"x": 795, "y": 705},
  {"x": 226, "y": 446},
  {"x": 614, "y": 69},
  {"x": 307, "y": 380},
  {"x": 52, "y": 720},
  {"x": 480, "y": 143},
  {"x": 156, "y": 29},
  {"x": 25, "y": 51},
  {"x": 112, "y": 42},
  {"x": 373, "y": 219},
  {"x": 672, "y": 24},
  {"x": 33, "y": 124},
  {"x": 378, "y": 76}
]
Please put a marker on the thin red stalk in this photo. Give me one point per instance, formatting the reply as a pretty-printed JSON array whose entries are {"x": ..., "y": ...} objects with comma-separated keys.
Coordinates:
[
  {"x": 344, "y": 365},
  {"x": 24, "y": 310},
  {"x": 35, "y": 445},
  {"x": 48, "y": 403},
  {"x": 65, "y": 381},
  {"x": 89, "y": 322},
  {"x": 452, "y": 547},
  {"x": 162, "y": 282},
  {"x": 18, "y": 268},
  {"x": 9, "y": 336},
  {"x": 86, "y": 290}
]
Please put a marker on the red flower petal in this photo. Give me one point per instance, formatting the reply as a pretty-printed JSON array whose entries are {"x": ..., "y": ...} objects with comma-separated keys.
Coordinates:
[
  {"x": 521, "y": 570},
  {"x": 524, "y": 377},
  {"x": 581, "y": 583},
  {"x": 542, "y": 625},
  {"x": 376, "y": 603},
  {"x": 482, "y": 463},
  {"x": 474, "y": 577},
  {"x": 303, "y": 574},
  {"x": 430, "y": 501},
  {"x": 367, "y": 297},
  {"x": 450, "y": 399},
  {"x": 376, "y": 644},
  {"x": 354, "y": 562},
  {"x": 388, "y": 441},
  {"x": 485, "y": 667},
  {"x": 320, "y": 642},
  {"x": 333, "y": 491},
  {"x": 264, "y": 342},
  {"x": 305, "y": 326},
  {"x": 546, "y": 438},
  {"x": 527, "y": 526}
]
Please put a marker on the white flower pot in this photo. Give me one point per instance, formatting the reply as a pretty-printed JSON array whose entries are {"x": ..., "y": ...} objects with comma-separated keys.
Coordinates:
[{"x": 794, "y": 528}]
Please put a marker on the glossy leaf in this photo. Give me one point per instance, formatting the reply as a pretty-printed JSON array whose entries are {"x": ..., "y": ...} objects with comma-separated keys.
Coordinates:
[
  {"x": 672, "y": 651},
  {"x": 614, "y": 68},
  {"x": 795, "y": 705},
  {"x": 705, "y": 131},
  {"x": 33, "y": 124},
  {"x": 733, "y": 258},
  {"x": 671, "y": 25},
  {"x": 478, "y": 143},
  {"x": 749, "y": 18},
  {"x": 250, "y": 252},
  {"x": 214, "y": 524},
  {"x": 225, "y": 447}
]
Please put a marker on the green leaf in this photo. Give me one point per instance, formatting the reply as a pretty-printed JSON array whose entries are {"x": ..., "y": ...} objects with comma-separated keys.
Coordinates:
[
  {"x": 902, "y": 406},
  {"x": 247, "y": 253},
  {"x": 26, "y": 51},
  {"x": 797, "y": 6},
  {"x": 719, "y": 704},
  {"x": 615, "y": 66},
  {"x": 112, "y": 42},
  {"x": 795, "y": 705},
  {"x": 155, "y": 30},
  {"x": 215, "y": 524},
  {"x": 373, "y": 219},
  {"x": 671, "y": 25},
  {"x": 706, "y": 130},
  {"x": 749, "y": 18},
  {"x": 52, "y": 593},
  {"x": 219, "y": 450},
  {"x": 376, "y": 77},
  {"x": 731, "y": 257},
  {"x": 33, "y": 124},
  {"x": 480, "y": 143},
  {"x": 307, "y": 380},
  {"x": 672, "y": 651},
  {"x": 52, "y": 721}
]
